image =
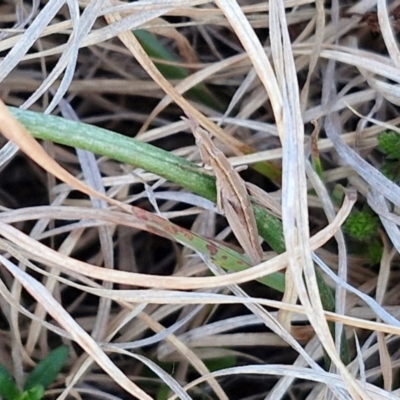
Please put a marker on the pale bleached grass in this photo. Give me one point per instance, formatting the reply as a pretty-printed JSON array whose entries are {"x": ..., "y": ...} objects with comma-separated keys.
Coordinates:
[{"x": 340, "y": 81}]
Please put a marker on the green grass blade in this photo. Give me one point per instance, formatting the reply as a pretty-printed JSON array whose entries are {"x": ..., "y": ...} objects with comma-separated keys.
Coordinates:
[
  {"x": 143, "y": 155},
  {"x": 46, "y": 370},
  {"x": 156, "y": 50},
  {"x": 221, "y": 255},
  {"x": 8, "y": 388}
]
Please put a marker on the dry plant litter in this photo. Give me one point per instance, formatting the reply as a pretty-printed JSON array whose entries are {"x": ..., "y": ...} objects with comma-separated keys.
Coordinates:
[{"x": 122, "y": 251}]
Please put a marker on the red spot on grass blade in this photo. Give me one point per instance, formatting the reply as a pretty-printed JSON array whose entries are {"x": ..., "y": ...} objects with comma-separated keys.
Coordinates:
[{"x": 212, "y": 249}]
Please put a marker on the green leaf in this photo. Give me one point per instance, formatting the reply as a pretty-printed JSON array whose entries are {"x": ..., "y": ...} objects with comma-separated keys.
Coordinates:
[
  {"x": 46, "y": 371},
  {"x": 35, "y": 393},
  {"x": 143, "y": 155},
  {"x": 216, "y": 364},
  {"x": 8, "y": 388},
  {"x": 163, "y": 393},
  {"x": 153, "y": 47}
]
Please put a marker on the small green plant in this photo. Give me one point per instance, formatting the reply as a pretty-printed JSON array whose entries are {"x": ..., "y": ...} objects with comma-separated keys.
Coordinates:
[
  {"x": 389, "y": 145},
  {"x": 37, "y": 381},
  {"x": 375, "y": 251},
  {"x": 362, "y": 226}
]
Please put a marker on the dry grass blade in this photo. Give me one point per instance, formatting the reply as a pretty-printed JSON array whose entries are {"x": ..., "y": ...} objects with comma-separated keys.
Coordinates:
[
  {"x": 131, "y": 259},
  {"x": 40, "y": 293},
  {"x": 133, "y": 45},
  {"x": 232, "y": 197},
  {"x": 15, "y": 132},
  {"x": 294, "y": 197},
  {"x": 33, "y": 32},
  {"x": 48, "y": 256},
  {"x": 256, "y": 54},
  {"x": 299, "y": 373}
]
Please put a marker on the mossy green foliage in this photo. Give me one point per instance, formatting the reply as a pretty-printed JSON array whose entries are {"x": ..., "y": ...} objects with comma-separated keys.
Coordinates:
[
  {"x": 375, "y": 251},
  {"x": 389, "y": 145},
  {"x": 38, "y": 380},
  {"x": 362, "y": 225}
]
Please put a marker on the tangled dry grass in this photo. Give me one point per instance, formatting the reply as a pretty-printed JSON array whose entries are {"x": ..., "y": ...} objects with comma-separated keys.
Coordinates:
[{"x": 266, "y": 72}]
